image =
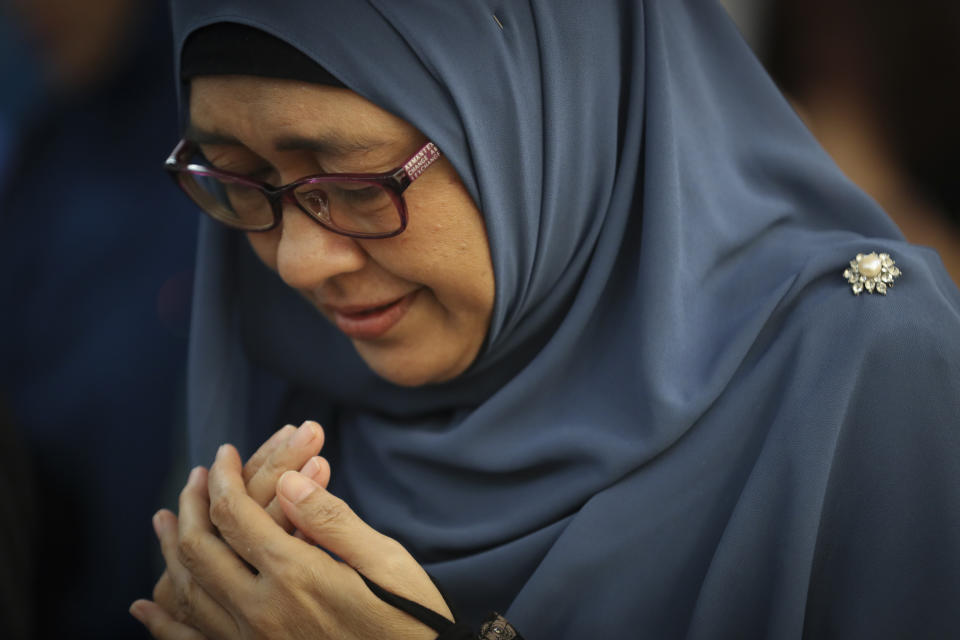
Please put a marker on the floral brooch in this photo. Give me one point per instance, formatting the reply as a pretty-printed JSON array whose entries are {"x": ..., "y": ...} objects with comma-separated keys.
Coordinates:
[{"x": 871, "y": 272}]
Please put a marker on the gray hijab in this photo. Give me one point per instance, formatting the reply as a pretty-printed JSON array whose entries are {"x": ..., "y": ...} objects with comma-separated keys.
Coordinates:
[{"x": 682, "y": 423}]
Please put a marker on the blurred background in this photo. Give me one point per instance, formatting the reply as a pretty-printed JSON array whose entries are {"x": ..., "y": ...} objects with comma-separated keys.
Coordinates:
[
  {"x": 878, "y": 84},
  {"x": 97, "y": 262},
  {"x": 96, "y": 274}
]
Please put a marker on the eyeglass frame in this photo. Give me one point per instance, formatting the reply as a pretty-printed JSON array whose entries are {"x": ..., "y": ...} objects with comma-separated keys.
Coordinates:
[{"x": 394, "y": 182}]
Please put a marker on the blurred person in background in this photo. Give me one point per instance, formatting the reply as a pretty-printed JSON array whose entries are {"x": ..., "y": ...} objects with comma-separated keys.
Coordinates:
[
  {"x": 21, "y": 84},
  {"x": 97, "y": 272},
  {"x": 878, "y": 83}
]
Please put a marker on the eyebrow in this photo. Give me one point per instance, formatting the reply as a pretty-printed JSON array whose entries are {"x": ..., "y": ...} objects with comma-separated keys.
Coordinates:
[
  {"x": 202, "y": 136},
  {"x": 332, "y": 145},
  {"x": 329, "y": 145}
]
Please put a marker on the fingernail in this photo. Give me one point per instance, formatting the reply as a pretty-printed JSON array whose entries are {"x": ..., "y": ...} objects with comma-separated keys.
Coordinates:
[
  {"x": 311, "y": 468},
  {"x": 157, "y": 523},
  {"x": 304, "y": 435},
  {"x": 136, "y": 610},
  {"x": 296, "y": 487}
]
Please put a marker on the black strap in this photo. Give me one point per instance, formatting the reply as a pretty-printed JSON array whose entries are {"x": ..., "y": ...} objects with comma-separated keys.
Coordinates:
[
  {"x": 447, "y": 629},
  {"x": 493, "y": 628}
]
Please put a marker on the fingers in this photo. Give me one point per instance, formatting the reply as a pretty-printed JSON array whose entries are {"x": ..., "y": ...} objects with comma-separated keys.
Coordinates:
[
  {"x": 244, "y": 525},
  {"x": 260, "y": 456},
  {"x": 209, "y": 561},
  {"x": 165, "y": 524},
  {"x": 293, "y": 453},
  {"x": 178, "y": 594},
  {"x": 318, "y": 470},
  {"x": 161, "y": 624},
  {"x": 331, "y": 523}
]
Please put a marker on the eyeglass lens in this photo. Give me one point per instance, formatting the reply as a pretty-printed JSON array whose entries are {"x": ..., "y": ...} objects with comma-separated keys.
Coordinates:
[
  {"x": 233, "y": 203},
  {"x": 352, "y": 206}
]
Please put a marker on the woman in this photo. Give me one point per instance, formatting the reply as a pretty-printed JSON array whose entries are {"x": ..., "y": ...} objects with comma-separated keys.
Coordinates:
[{"x": 669, "y": 417}]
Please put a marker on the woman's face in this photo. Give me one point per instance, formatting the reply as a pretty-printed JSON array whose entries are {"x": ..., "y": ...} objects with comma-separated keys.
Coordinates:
[{"x": 416, "y": 306}]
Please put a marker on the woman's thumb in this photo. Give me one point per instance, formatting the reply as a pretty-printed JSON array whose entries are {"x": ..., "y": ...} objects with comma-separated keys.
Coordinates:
[{"x": 329, "y": 522}]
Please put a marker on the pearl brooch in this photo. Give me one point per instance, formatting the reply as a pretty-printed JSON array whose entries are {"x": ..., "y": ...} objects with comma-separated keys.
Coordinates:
[{"x": 871, "y": 272}]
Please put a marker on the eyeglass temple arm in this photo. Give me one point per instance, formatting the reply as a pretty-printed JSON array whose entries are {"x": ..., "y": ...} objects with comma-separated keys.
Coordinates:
[
  {"x": 419, "y": 162},
  {"x": 175, "y": 156},
  {"x": 412, "y": 169}
]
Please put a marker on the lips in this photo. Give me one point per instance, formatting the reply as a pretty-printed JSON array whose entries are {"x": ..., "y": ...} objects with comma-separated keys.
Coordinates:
[{"x": 362, "y": 322}]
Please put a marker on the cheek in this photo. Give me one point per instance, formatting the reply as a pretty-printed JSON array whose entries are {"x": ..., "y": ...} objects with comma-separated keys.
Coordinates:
[
  {"x": 447, "y": 250},
  {"x": 265, "y": 246}
]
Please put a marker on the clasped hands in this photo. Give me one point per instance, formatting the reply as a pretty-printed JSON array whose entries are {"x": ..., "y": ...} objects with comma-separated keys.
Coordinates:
[{"x": 249, "y": 555}]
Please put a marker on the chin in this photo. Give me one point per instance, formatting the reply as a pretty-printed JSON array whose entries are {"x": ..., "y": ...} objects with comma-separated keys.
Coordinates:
[{"x": 408, "y": 370}]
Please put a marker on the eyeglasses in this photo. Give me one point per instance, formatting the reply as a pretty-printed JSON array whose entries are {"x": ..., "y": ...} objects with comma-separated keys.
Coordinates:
[{"x": 359, "y": 205}]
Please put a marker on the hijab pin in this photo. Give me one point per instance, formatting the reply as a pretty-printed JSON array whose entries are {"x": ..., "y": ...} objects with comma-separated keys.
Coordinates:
[{"x": 871, "y": 272}]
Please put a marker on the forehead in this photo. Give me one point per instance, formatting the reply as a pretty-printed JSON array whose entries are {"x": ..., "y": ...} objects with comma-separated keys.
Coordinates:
[{"x": 251, "y": 108}]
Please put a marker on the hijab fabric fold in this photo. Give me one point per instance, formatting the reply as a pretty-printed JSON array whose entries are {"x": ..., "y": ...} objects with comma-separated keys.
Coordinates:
[{"x": 682, "y": 423}]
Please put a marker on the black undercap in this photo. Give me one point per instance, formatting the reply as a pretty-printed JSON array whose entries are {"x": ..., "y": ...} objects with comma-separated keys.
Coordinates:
[{"x": 228, "y": 48}]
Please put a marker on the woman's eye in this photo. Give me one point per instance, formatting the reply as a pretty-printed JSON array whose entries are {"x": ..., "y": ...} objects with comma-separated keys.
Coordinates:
[{"x": 363, "y": 194}]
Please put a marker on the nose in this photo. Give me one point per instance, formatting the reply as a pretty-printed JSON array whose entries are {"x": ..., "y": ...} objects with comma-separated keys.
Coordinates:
[{"x": 308, "y": 255}]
